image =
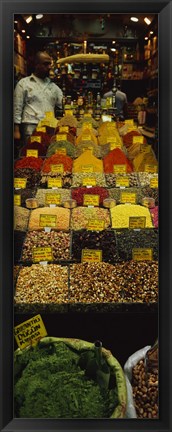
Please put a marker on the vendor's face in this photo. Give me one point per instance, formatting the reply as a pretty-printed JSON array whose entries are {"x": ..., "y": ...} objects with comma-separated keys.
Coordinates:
[{"x": 43, "y": 67}]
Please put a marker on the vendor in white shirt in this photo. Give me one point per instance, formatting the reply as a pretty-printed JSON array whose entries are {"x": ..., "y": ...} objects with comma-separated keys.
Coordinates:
[
  {"x": 121, "y": 103},
  {"x": 35, "y": 95}
]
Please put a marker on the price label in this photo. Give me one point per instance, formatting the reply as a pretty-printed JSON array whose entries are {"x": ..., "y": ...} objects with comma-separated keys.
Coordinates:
[
  {"x": 41, "y": 129},
  {"x": 87, "y": 168},
  {"x": 136, "y": 222},
  {"x": 86, "y": 137},
  {"x": 122, "y": 181},
  {"x": 106, "y": 118},
  {"x": 49, "y": 115},
  {"x": 91, "y": 255},
  {"x": 20, "y": 183},
  {"x": 138, "y": 139},
  {"x": 61, "y": 137},
  {"x": 142, "y": 254},
  {"x": 129, "y": 122},
  {"x": 87, "y": 148},
  {"x": 47, "y": 220},
  {"x": 45, "y": 122},
  {"x": 29, "y": 332},
  {"x": 151, "y": 168},
  {"x": 118, "y": 169},
  {"x": 52, "y": 198},
  {"x": 154, "y": 182},
  {"x": 114, "y": 145},
  {"x": 17, "y": 200},
  {"x": 33, "y": 153},
  {"x": 61, "y": 151},
  {"x": 57, "y": 168},
  {"x": 35, "y": 138},
  {"x": 145, "y": 149},
  {"x": 91, "y": 200},
  {"x": 86, "y": 126},
  {"x": 68, "y": 112},
  {"x": 64, "y": 129},
  {"x": 128, "y": 197},
  {"x": 42, "y": 254},
  {"x": 88, "y": 181},
  {"x": 96, "y": 225},
  {"x": 87, "y": 115},
  {"x": 54, "y": 183},
  {"x": 111, "y": 139}
]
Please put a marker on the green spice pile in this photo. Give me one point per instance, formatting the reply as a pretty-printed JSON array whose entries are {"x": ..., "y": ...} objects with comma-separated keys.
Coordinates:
[
  {"x": 51, "y": 384},
  {"x": 57, "y": 145}
]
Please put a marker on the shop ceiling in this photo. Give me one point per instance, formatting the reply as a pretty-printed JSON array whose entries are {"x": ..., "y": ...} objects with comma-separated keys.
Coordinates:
[{"x": 81, "y": 27}]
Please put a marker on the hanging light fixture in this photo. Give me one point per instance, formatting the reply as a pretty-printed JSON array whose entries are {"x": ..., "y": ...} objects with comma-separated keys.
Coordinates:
[
  {"x": 134, "y": 19},
  {"x": 39, "y": 16},
  {"x": 29, "y": 19},
  {"x": 147, "y": 21}
]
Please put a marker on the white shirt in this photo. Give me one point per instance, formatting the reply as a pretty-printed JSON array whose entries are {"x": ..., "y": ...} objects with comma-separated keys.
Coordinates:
[
  {"x": 121, "y": 99},
  {"x": 33, "y": 97}
]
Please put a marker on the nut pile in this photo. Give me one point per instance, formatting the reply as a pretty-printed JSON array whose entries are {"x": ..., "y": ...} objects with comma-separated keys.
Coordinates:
[
  {"x": 128, "y": 239},
  {"x": 59, "y": 242},
  {"x": 103, "y": 240},
  {"x": 144, "y": 178},
  {"x": 33, "y": 176},
  {"x": 81, "y": 215},
  {"x": 41, "y": 195},
  {"x": 65, "y": 178},
  {"x": 42, "y": 284},
  {"x": 145, "y": 391},
  {"x": 132, "y": 177},
  {"x": 152, "y": 193},
  {"x": 140, "y": 281},
  {"x": 78, "y": 178},
  {"x": 21, "y": 218},
  {"x": 94, "y": 283}
]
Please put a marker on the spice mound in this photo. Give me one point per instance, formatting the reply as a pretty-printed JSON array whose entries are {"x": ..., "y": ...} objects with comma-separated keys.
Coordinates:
[
  {"x": 121, "y": 213},
  {"x": 42, "y": 284},
  {"x": 81, "y": 215},
  {"x": 21, "y": 218},
  {"x": 51, "y": 384},
  {"x": 116, "y": 157},
  {"x": 78, "y": 194},
  {"x": 61, "y": 221}
]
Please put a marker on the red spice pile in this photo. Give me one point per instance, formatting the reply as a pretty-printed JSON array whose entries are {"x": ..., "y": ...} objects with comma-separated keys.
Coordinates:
[
  {"x": 29, "y": 162},
  {"x": 78, "y": 194},
  {"x": 45, "y": 138},
  {"x": 128, "y": 138},
  {"x": 56, "y": 158},
  {"x": 34, "y": 146},
  {"x": 116, "y": 157}
]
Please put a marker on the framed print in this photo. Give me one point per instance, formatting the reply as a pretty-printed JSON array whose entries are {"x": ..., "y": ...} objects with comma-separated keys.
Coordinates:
[{"x": 85, "y": 216}]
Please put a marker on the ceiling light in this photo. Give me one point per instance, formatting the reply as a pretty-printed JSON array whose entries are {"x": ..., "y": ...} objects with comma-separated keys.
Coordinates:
[
  {"x": 23, "y": 31},
  {"x": 151, "y": 32},
  {"x": 113, "y": 42},
  {"x": 146, "y": 37},
  {"x": 15, "y": 22},
  {"x": 29, "y": 19},
  {"x": 39, "y": 16},
  {"x": 147, "y": 21},
  {"x": 113, "y": 49},
  {"x": 28, "y": 37},
  {"x": 134, "y": 19}
]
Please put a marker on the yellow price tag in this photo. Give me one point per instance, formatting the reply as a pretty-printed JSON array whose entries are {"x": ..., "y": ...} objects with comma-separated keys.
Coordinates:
[
  {"x": 114, "y": 145},
  {"x": 20, "y": 183},
  {"x": 41, "y": 129},
  {"x": 118, "y": 169},
  {"x": 64, "y": 129},
  {"x": 151, "y": 168},
  {"x": 17, "y": 200},
  {"x": 129, "y": 122},
  {"x": 47, "y": 221},
  {"x": 68, "y": 112},
  {"x": 96, "y": 225},
  {"x": 122, "y": 181},
  {"x": 61, "y": 151},
  {"x": 154, "y": 182},
  {"x": 29, "y": 332},
  {"x": 45, "y": 122},
  {"x": 91, "y": 200},
  {"x": 53, "y": 182},
  {"x": 87, "y": 125},
  {"x": 49, "y": 115},
  {"x": 57, "y": 168},
  {"x": 88, "y": 181},
  {"x": 111, "y": 139},
  {"x": 145, "y": 149},
  {"x": 42, "y": 254},
  {"x": 87, "y": 168},
  {"x": 87, "y": 115},
  {"x": 35, "y": 138},
  {"x": 33, "y": 153},
  {"x": 86, "y": 137},
  {"x": 61, "y": 137},
  {"x": 91, "y": 255},
  {"x": 138, "y": 139},
  {"x": 137, "y": 222},
  {"x": 128, "y": 197},
  {"x": 142, "y": 254},
  {"x": 52, "y": 198}
]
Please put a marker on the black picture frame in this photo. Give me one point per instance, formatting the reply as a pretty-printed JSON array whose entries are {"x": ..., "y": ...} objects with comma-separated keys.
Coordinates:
[{"x": 164, "y": 10}]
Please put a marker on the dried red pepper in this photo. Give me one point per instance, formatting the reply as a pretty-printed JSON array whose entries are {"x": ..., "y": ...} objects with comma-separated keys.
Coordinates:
[
  {"x": 78, "y": 193},
  {"x": 57, "y": 158},
  {"x": 29, "y": 162},
  {"x": 116, "y": 157}
]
